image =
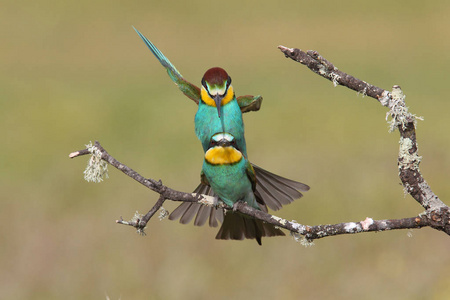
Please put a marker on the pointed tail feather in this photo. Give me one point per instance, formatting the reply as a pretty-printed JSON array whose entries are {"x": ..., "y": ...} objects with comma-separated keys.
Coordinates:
[
  {"x": 276, "y": 191},
  {"x": 238, "y": 227},
  {"x": 272, "y": 191},
  {"x": 187, "y": 210}
]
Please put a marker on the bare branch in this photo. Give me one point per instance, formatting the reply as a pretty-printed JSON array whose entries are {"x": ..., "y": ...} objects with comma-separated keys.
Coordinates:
[
  {"x": 319, "y": 65},
  {"x": 140, "y": 222},
  {"x": 309, "y": 232},
  {"x": 79, "y": 153},
  {"x": 436, "y": 215},
  {"x": 152, "y": 184},
  {"x": 402, "y": 119}
]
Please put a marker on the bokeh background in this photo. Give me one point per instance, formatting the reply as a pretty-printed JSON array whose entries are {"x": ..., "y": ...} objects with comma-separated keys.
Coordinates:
[{"x": 74, "y": 72}]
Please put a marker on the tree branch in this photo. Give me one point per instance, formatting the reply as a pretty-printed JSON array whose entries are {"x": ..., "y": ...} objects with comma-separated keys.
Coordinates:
[
  {"x": 319, "y": 65},
  {"x": 309, "y": 233},
  {"x": 140, "y": 222},
  {"x": 402, "y": 119},
  {"x": 436, "y": 215}
]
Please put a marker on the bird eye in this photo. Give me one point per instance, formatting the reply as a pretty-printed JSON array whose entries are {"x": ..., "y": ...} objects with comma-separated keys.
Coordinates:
[
  {"x": 234, "y": 145},
  {"x": 212, "y": 143},
  {"x": 228, "y": 81},
  {"x": 204, "y": 82}
]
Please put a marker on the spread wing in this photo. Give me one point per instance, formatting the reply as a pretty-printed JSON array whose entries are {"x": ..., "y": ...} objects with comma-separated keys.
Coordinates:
[
  {"x": 249, "y": 103},
  {"x": 271, "y": 191},
  {"x": 251, "y": 175},
  {"x": 189, "y": 89},
  {"x": 187, "y": 210},
  {"x": 246, "y": 103}
]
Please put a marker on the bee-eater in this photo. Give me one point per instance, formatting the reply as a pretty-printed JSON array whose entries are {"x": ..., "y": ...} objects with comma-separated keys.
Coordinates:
[
  {"x": 221, "y": 111},
  {"x": 232, "y": 178},
  {"x": 246, "y": 103},
  {"x": 218, "y": 110}
]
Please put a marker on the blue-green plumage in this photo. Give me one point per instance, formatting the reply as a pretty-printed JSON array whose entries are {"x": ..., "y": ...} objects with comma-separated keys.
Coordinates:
[
  {"x": 190, "y": 90},
  {"x": 208, "y": 123},
  {"x": 246, "y": 103},
  {"x": 174, "y": 74},
  {"x": 216, "y": 97},
  {"x": 218, "y": 110},
  {"x": 230, "y": 182}
]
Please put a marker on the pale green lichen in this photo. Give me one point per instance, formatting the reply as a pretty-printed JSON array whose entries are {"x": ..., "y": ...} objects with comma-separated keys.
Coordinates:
[
  {"x": 136, "y": 219},
  {"x": 334, "y": 78},
  {"x": 280, "y": 220},
  {"x": 301, "y": 239},
  {"x": 385, "y": 99},
  {"x": 363, "y": 92},
  {"x": 405, "y": 190},
  {"x": 297, "y": 235},
  {"x": 430, "y": 200},
  {"x": 163, "y": 213},
  {"x": 406, "y": 159},
  {"x": 298, "y": 227},
  {"x": 306, "y": 243},
  {"x": 398, "y": 110},
  {"x": 323, "y": 71},
  {"x": 96, "y": 169}
]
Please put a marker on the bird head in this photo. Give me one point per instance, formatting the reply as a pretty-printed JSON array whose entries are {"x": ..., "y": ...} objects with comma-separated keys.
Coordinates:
[
  {"x": 222, "y": 150},
  {"x": 216, "y": 88},
  {"x": 222, "y": 139}
]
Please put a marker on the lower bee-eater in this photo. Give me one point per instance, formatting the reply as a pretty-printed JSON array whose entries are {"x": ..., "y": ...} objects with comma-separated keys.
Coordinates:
[{"x": 232, "y": 178}]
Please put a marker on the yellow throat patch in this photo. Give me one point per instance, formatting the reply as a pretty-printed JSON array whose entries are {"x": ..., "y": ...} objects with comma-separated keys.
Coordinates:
[
  {"x": 223, "y": 156},
  {"x": 210, "y": 101}
]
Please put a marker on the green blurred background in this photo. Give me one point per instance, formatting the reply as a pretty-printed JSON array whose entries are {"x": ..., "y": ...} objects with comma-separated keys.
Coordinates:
[{"x": 74, "y": 72}]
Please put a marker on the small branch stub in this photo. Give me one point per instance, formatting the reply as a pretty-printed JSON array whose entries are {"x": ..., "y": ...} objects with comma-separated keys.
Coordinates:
[{"x": 135, "y": 222}]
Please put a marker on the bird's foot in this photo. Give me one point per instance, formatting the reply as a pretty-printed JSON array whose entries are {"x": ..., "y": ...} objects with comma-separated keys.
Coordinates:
[
  {"x": 207, "y": 200},
  {"x": 235, "y": 205}
]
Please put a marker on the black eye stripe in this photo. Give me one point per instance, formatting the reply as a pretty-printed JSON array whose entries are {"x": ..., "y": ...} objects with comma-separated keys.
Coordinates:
[
  {"x": 212, "y": 143},
  {"x": 228, "y": 81}
]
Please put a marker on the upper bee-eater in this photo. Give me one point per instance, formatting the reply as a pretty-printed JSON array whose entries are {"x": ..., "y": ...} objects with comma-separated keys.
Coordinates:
[
  {"x": 233, "y": 179},
  {"x": 218, "y": 110},
  {"x": 221, "y": 111},
  {"x": 246, "y": 103}
]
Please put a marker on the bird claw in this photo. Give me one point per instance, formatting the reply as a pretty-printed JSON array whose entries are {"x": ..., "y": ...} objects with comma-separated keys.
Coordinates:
[
  {"x": 207, "y": 200},
  {"x": 198, "y": 196},
  {"x": 235, "y": 205}
]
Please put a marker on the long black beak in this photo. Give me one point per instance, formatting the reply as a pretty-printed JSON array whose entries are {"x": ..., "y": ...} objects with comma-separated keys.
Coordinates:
[{"x": 218, "y": 101}]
